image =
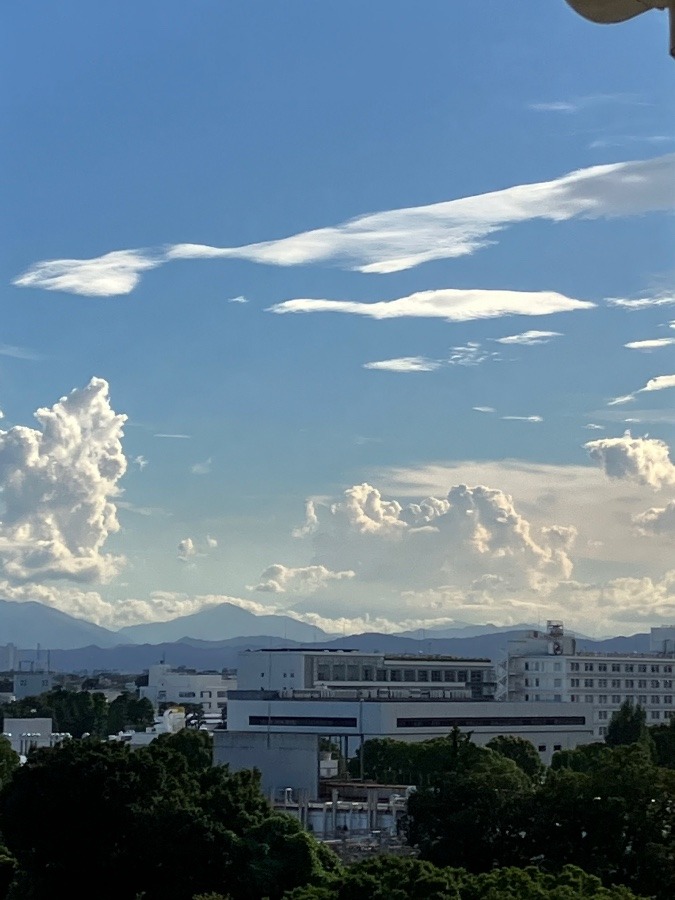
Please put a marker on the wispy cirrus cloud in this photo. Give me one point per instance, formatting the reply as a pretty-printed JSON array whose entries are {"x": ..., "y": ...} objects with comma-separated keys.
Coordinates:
[
  {"x": 529, "y": 338},
  {"x": 588, "y": 101},
  {"x": 398, "y": 239},
  {"x": 180, "y": 437},
  {"x": 405, "y": 364},
  {"x": 522, "y": 418},
  {"x": 642, "y": 302},
  {"x": 449, "y": 304},
  {"x": 484, "y": 409},
  {"x": 19, "y": 353}
]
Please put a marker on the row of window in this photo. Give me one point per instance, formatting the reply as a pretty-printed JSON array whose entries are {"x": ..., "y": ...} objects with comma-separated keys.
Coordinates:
[
  {"x": 491, "y": 721},
  {"x": 640, "y": 668},
  {"x": 604, "y": 714},
  {"x": 617, "y": 699},
  {"x": 654, "y": 683},
  {"x": 340, "y": 672}
]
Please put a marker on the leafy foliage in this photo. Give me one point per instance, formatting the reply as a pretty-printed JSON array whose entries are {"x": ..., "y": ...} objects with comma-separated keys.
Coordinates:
[{"x": 521, "y": 751}]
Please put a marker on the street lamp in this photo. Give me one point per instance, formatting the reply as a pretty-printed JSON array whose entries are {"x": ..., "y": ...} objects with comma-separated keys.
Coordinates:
[{"x": 607, "y": 12}]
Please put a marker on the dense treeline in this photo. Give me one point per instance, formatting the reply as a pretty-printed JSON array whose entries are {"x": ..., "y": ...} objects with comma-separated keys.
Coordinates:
[
  {"x": 83, "y": 712},
  {"x": 487, "y": 822}
]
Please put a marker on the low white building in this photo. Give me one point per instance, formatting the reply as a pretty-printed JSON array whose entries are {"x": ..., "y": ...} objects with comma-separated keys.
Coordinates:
[
  {"x": 545, "y": 666},
  {"x": 28, "y": 734},
  {"x": 167, "y": 685}
]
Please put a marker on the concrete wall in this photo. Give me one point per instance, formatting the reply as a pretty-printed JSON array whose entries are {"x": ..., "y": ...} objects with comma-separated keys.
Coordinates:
[{"x": 284, "y": 760}]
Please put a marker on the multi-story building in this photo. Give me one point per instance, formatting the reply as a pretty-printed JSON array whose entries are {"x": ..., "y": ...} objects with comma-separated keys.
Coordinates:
[
  {"x": 181, "y": 686},
  {"x": 546, "y": 666}
]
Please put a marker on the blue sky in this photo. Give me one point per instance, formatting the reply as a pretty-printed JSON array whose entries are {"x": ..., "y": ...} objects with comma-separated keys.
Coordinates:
[{"x": 136, "y": 129}]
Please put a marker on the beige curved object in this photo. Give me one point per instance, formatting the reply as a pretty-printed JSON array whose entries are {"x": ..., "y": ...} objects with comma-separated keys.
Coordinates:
[{"x": 609, "y": 11}]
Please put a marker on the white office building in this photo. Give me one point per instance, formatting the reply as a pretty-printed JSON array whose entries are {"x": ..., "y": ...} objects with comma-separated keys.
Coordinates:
[
  {"x": 181, "y": 686},
  {"x": 545, "y": 666}
]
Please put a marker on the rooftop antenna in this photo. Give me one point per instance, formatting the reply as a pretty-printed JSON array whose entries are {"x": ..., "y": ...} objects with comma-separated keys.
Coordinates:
[{"x": 609, "y": 12}]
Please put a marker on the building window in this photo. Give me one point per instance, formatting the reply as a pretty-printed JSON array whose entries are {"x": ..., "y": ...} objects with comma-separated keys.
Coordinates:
[
  {"x": 206, "y": 694},
  {"x": 461, "y": 675},
  {"x": 603, "y": 714},
  {"x": 642, "y": 700},
  {"x": 380, "y": 675},
  {"x": 602, "y": 698},
  {"x": 574, "y": 667},
  {"x": 574, "y": 698},
  {"x": 588, "y": 682},
  {"x": 655, "y": 714},
  {"x": 395, "y": 675},
  {"x": 667, "y": 683},
  {"x": 668, "y": 713},
  {"x": 588, "y": 667},
  {"x": 589, "y": 698},
  {"x": 422, "y": 675},
  {"x": 435, "y": 675},
  {"x": 305, "y": 721},
  {"x": 642, "y": 683},
  {"x": 602, "y": 682},
  {"x": 322, "y": 673},
  {"x": 221, "y": 693},
  {"x": 629, "y": 667},
  {"x": 642, "y": 667},
  {"x": 602, "y": 667},
  {"x": 557, "y": 667},
  {"x": 557, "y": 747},
  {"x": 668, "y": 670},
  {"x": 352, "y": 673},
  {"x": 654, "y": 683},
  {"x": 668, "y": 700},
  {"x": 527, "y": 667},
  {"x": 449, "y": 675},
  {"x": 542, "y": 748},
  {"x": 367, "y": 673},
  {"x": 655, "y": 700},
  {"x": 602, "y": 730},
  {"x": 338, "y": 673},
  {"x": 557, "y": 698},
  {"x": 616, "y": 667},
  {"x": 574, "y": 682},
  {"x": 616, "y": 699},
  {"x": 186, "y": 693},
  {"x": 409, "y": 675},
  {"x": 655, "y": 670},
  {"x": 491, "y": 721},
  {"x": 557, "y": 682},
  {"x": 629, "y": 683}
]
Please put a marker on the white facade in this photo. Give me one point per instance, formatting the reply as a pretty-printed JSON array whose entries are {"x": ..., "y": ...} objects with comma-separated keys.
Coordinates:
[
  {"x": 281, "y": 693},
  {"x": 302, "y": 670},
  {"x": 545, "y": 666},
  {"x": 177, "y": 686},
  {"x": 26, "y": 734}
]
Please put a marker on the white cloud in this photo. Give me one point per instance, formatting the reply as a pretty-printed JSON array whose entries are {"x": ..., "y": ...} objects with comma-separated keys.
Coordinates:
[
  {"x": 140, "y": 461},
  {"x": 398, "y": 239},
  {"x": 588, "y": 101},
  {"x": 660, "y": 383},
  {"x": 239, "y": 299},
  {"x": 522, "y": 418},
  {"x": 181, "y": 437},
  {"x": 592, "y": 426},
  {"x": 483, "y": 409},
  {"x": 470, "y": 533},
  {"x": 528, "y": 338},
  {"x": 449, "y": 304},
  {"x": 105, "y": 276},
  {"x": 311, "y": 521},
  {"x": 19, "y": 352},
  {"x": 58, "y": 486},
  {"x": 186, "y": 549},
  {"x": 657, "y": 520},
  {"x": 642, "y": 302},
  {"x": 653, "y": 344},
  {"x": 279, "y": 579},
  {"x": 404, "y": 364},
  {"x": 470, "y": 354},
  {"x": 201, "y": 468},
  {"x": 644, "y": 460},
  {"x": 211, "y": 542}
]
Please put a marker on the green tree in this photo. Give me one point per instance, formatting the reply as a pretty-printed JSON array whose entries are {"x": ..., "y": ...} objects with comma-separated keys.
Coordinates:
[
  {"x": 9, "y": 760},
  {"x": 156, "y": 822},
  {"x": 521, "y": 751},
  {"x": 628, "y": 725},
  {"x": 663, "y": 737},
  {"x": 129, "y": 712}
]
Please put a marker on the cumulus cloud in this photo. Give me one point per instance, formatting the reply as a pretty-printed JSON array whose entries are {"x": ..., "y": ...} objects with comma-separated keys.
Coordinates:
[
  {"x": 211, "y": 542},
  {"x": 657, "y": 520},
  {"x": 140, "y": 461},
  {"x": 404, "y": 364},
  {"x": 471, "y": 533},
  {"x": 449, "y": 304},
  {"x": 644, "y": 460},
  {"x": 395, "y": 240},
  {"x": 653, "y": 344},
  {"x": 201, "y": 468},
  {"x": 104, "y": 276},
  {"x": 186, "y": 549},
  {"x": 311, "y": 521},
  {"x": 279, "y": 579},
  {"x": 58, "y": 484},
  {"x": 528, "y": 338}
]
